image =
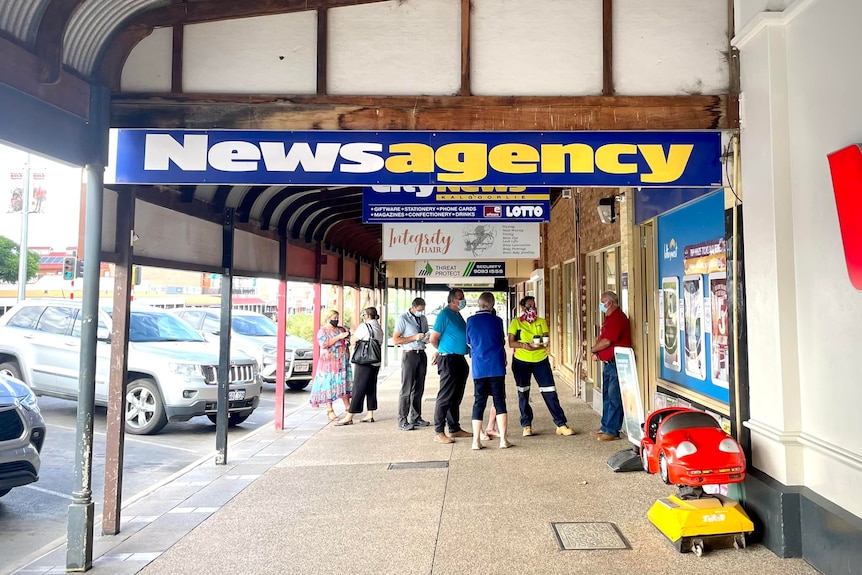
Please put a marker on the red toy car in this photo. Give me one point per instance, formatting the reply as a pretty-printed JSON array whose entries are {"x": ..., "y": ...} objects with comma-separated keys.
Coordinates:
[{"x": 688, "y": 447}]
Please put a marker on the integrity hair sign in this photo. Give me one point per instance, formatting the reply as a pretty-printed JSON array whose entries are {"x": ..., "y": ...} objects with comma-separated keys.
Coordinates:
[
  {"x": 418, "y": 158},
  {"x": 460, "y": 241}
]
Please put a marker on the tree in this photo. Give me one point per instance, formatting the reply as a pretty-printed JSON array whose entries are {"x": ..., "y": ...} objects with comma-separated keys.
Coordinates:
[{"x": 9, "y": 261}]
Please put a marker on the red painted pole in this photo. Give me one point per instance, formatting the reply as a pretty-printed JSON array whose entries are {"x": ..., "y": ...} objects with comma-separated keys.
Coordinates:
[{"x": 281, "y": 322}]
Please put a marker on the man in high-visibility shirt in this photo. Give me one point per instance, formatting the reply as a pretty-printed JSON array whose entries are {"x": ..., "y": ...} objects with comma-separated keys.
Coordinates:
[{"x": 529, "y": 336}]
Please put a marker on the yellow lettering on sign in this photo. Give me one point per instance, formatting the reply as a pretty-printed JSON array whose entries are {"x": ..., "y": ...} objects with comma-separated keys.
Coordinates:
[
  {"x": 413, "y": 158},
  {"x": 608, "y": 159},
  {"x": 514, "y": 158},
  {"x": 463, "y": 162},
  {"x": 665, "y": 169},
  {"x": 477, "y": 189},
  {"x": 580, "y": 159}
]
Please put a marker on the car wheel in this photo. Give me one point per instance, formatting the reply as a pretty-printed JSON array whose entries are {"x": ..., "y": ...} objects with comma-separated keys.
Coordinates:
[
  {"x": 233, "y": 419},
  {"x": 297, "y": 385},
  {"x": 4, "y": 491},
  {"x": 11, "y": 369},
  {"x": 145, "y": 411},
  {"x": 662, "y": 468}
]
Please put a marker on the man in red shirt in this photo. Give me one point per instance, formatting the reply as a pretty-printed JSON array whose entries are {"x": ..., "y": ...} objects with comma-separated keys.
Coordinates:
[{"x": 616, "y": 332}]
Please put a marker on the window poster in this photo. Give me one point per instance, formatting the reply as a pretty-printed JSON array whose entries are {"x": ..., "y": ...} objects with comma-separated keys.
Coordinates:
[
  {"x": 719, "y": 347},
  {"x": 669, "y": 322},
  {"x": 695, "y": 362},
  {"x": 694, "y": 343}
]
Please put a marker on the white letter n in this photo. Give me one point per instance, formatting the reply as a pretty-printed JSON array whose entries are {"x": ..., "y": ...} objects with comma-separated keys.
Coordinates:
[{"x": 161, "y": 149}]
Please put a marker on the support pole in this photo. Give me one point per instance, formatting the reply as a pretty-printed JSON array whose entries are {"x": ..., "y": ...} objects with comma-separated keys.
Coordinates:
[
  {"x": 116, "y": 429},
  {"x": 281, "y": 328},
  {"x": 79, "y": 544},
  {"x": 25, "y": 232},
  {"x": 224, "y": 337}
]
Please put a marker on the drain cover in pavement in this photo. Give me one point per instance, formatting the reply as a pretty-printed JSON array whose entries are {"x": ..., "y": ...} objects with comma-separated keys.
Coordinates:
[
  {"x": 419, "y": 465},
  {"x": 581, "y": 536}
]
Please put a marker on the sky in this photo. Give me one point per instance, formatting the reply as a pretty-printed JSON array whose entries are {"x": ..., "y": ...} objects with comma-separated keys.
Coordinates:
[{"x": 57, "y": 225}]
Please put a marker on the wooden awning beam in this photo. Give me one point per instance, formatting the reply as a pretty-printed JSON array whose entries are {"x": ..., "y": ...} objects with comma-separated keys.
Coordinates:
[{"x": 492, "y": 113}]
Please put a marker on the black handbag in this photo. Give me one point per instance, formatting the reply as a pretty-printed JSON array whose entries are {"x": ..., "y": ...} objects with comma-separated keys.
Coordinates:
[{"x": 366, "y": 351}]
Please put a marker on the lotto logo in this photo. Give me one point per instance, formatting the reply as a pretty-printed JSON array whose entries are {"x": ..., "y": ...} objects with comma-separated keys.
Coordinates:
[
  {"x": 493, "y": 211},
  {"x": 846, "y": 168}
]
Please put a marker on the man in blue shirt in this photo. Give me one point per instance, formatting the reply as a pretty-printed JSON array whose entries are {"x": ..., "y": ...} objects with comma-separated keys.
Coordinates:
[
  {"x": 410, "y": 333},
  {"x": 449, "y": 336},
  {"x": 487, "y": 348}
]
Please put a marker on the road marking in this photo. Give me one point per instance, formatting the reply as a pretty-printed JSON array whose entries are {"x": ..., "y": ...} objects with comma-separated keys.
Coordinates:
[
  {"x": 49, "y": 492},
  {"x": 132, "y": 439}
]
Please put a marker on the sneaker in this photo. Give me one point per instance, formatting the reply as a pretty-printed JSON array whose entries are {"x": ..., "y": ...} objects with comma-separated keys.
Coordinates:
[
  {"x": 460, "y": 433},
  {"x": 406, "y": 427},
  {"x": 504, "y": 444},
  {"x": 596, "y": 432},
  {"x": 607, "y": 437},
  {"x": 565, "y": 430},
  {"x": 528, "y": 431},
  {"x": 421, "y": 422}
]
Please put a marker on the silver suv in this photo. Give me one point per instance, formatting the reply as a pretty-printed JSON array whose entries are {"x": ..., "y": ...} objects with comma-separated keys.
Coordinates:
[
  {"x": 256, "y": 335},
  {"x": 22, "y": 434},
  {"x": 172, "y": 369}
]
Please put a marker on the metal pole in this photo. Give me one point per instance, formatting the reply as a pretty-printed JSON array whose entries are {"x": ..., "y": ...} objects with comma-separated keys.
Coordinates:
[
  {"x": 281, "y": 344},
  {"x": 79, "y": 545},
  {"x": 224, "y": 337},
  {"x": 25, "y": 227}
]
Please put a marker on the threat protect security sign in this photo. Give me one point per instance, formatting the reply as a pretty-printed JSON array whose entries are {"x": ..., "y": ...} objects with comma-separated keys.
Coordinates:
[{"x": 689, "y": 159}]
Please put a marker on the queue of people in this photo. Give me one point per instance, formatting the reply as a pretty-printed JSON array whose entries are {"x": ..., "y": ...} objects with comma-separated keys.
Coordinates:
[{"x": 483, "y": 338}]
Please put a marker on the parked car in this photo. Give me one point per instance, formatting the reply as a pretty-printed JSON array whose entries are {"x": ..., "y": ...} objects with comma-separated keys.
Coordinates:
[
  {"x": 257, "y": 335},
  {"x": 22, "y": 434},
  {"x": 688, "y": 447},
  {"x": 172, "y": 370}
]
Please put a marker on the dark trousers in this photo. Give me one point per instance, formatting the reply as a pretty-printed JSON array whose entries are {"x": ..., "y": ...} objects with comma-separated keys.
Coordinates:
[
  {"x": 453, "y": 371},
  {"x": 364, "y": 387},
  {"x": 612, "y": 400},
  {"x": 523, "y": 370},
  {"x": 414, "y": 366},
  {"x": 485, "y": 386}
]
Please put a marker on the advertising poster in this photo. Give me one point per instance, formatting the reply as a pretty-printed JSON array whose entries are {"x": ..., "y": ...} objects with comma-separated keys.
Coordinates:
[
  {"x": 460, "y": 241},
  {"x": 449, "y": 271},
  {"x": 719, "y": 345},
  {"x": 670, "y": 322},
  {"x": 633, "y": 411},
  {"x": 693, "y": 338}
]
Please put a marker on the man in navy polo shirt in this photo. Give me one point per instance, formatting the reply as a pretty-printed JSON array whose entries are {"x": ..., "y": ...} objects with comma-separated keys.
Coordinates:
[
  {"x": 449, "y": 336},
  {"x": 616, "y": 332},
  {"x": 488, "y": 351}
]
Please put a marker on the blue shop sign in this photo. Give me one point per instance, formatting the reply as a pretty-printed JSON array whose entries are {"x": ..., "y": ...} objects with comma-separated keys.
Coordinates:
[{"x": 331, "y": 158}]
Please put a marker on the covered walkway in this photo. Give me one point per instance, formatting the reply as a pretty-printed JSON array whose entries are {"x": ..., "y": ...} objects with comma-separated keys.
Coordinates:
[{"x": 316, "y": 498}]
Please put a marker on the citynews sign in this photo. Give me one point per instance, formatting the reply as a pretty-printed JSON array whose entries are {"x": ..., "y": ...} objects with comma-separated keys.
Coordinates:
[
  {"x": 381, "y": 204},
  {"x": 355, "y": 158}
]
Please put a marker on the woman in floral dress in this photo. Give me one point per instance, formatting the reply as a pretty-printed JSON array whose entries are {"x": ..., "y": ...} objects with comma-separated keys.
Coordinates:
[{"x": 333, "y": 378}]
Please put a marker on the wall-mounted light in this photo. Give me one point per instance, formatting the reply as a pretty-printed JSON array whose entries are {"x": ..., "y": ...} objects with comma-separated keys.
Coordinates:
[{"x": 607, "y": 210}]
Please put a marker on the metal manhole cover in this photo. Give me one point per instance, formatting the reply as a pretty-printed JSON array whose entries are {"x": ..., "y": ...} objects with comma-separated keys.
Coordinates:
[
  {"x": 419, "y": 465},
  {"x": 586, "y": 535}
]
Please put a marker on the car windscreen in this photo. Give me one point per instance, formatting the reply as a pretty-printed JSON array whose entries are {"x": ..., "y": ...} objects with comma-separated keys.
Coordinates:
[
  {"x": 253, "y": 325},
  {"x": 146, "y": 326},
  {"x": 687, "y": 420}
]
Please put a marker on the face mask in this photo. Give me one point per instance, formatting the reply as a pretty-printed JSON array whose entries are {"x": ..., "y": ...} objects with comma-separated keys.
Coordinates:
[
  {"x": 602, "y": 307},
  {"x": 418, "y": 313},
  {"x": 462, "y": 304},
  {"x": 530, "y": 314},
  {"x": 333, "y": 322}
]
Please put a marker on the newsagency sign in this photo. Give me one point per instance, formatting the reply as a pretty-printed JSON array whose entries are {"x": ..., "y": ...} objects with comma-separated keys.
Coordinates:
[
  {"x": 381, "y": 204},
  {"x": 459, "y": 271},
  {"x": 613, "y": 159},
  {"x": 460, "y": 241}
]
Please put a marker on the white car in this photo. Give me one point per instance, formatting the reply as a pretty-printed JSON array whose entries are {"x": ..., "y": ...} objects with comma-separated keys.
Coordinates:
[
  {"x": 256, "y": 335},
  {"x": 172, "y": 370}
]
